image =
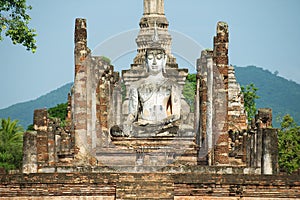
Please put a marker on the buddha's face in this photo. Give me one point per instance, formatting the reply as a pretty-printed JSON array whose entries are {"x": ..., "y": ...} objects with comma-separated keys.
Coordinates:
[{"x": 156, "y": 61}]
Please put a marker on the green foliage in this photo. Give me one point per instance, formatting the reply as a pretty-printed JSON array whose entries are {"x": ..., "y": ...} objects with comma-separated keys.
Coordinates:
[
  {"x": 250, "y": 95},
  {"x": 123, "y": 91},
  {"x": 11, "y": 142},
  {"x": 105, "y": 59},
  {"x": 289, "y": 145},
  {"x": 30, "y": 127},
  {"x": 59, "y": 111},
  {"x": 14, "y": 22},
  {"x": 189, "y": 90}
]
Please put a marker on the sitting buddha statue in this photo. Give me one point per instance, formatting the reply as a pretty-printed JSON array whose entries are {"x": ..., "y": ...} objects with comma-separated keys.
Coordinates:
[{"x": 154, "y": 102}]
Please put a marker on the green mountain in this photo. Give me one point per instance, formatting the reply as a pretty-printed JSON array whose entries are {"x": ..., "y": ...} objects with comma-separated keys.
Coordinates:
[
  {"x": 275, "y": 92},
  {"x": 24, "y": 111}
]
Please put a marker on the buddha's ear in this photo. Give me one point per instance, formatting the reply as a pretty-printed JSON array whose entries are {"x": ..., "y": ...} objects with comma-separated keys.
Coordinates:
[
  {"x": 165, "y": 60},
  {"x": 147, "y": 65}
]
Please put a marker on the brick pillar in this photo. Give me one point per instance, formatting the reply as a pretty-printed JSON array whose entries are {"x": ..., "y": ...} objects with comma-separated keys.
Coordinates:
[
  {"x": 29, "y": 152},
  {"x": 209, "y": 110},
  {"x": 197, "y": 122},
  {"x": 40, "y": 124},
  {"x": 263, "y": 120},
  {"x": 221, "y": 41},
  {"x": 117, "y": 105},
  {"x": 258, "y": 147},
  {"x": 79, "y": 97},
  {"x": 264, "y": 117},
  {"x": 40, "y": 120},
  {"x": 52, "y": 156},
  {"x": 269, "y": 159},
  {"x": 266, "y": 142},
  {"x": 220, "y": 56},
  {"x": 201, "y": 115}
]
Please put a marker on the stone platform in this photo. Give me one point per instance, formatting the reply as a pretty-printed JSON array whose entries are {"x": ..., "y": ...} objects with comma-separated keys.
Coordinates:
[{"x": 148, "y": 152}]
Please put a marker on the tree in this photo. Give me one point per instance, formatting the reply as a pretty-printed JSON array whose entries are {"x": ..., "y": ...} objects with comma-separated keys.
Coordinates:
[
  {"x": 59, "y": 111},
  {"x": 105, "y": 59},
  {"x": 11, "y": 142},
  {"x": 189, "y": 90},
  {"x": 289, "y": 145},
  {"x": 30, "y": 127},
  {"x": 250, "y": 96},
  {"x": 14, "y": 22}
]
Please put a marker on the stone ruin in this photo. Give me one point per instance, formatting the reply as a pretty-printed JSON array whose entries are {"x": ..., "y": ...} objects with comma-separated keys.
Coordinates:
[
  {"x": 215, "y": 134},
  {"x": 134, "y": 136}
]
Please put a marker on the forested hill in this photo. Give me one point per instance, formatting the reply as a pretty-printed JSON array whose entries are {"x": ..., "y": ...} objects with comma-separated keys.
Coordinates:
[
  {"x": 275, "y": 92},
  {"x": 24, "y": 111}
]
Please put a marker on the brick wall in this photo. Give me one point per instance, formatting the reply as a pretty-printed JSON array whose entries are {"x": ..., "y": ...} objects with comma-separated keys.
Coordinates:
[{"x": 147, "y": 185}]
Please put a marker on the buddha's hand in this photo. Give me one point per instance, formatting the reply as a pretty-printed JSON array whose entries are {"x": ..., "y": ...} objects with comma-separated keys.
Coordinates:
[
  {"x": 143, "y": 122},
  {"x": 171, "y": 119}
]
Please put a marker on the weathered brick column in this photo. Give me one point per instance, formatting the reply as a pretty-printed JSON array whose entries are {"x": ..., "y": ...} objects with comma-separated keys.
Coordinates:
[
  {"x": 209, "y": 109},
  {"x": 269, "y": 160},
  {"x": 267, "y": 142},
  {"x": 29, "y": 152},
  {"x": 220, "y": 56},
  {"x": 40, "y": 119},
  {"x": 263, "y": 120},
  {"x": 40, "y": 124},
  {"x": 262, "y": 144},
  {"x": 80, "y": 89},
  {"x": 201, "y": 105}
]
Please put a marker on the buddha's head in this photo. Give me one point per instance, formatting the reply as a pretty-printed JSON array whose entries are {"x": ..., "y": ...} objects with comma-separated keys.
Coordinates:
[{"x": 156, "y": 60}]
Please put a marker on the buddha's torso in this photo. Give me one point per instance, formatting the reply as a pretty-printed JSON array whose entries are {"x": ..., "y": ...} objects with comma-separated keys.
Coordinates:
[{"x": 155, "y": 101}]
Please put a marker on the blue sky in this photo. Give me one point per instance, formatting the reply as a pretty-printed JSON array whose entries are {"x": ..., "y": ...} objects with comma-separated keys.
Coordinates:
[{"x": 264, "y": 33}]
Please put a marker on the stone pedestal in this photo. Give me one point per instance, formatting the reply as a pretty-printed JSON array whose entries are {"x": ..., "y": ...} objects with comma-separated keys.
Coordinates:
[{"x": 148, "y": 153}]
